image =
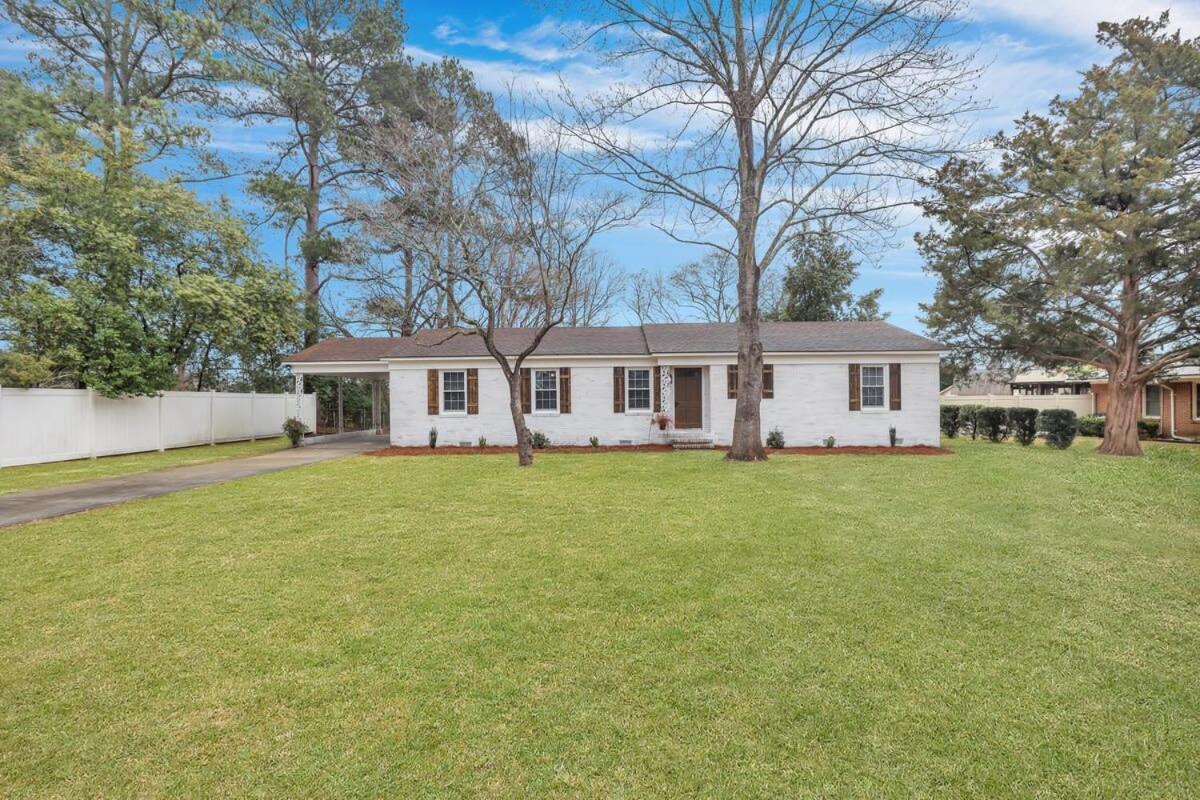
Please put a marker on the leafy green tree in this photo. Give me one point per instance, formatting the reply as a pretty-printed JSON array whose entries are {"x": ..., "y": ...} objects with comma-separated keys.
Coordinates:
[
  {"x": 817, "y": 284},
  {"x": 122, "y": 70},
  {"x": 1082, "y": 246},
  {"x": 121, "y": 281},
  {"x": 309, "y": 65}
]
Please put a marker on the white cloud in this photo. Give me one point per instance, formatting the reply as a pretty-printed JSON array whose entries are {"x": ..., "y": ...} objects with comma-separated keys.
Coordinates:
[
  {"x": 1077, "y": 19},
  {"x": 543, "y": 42}
]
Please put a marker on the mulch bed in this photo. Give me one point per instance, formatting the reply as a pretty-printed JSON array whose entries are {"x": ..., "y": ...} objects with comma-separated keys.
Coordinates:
[{"x": 919, "y": 450}]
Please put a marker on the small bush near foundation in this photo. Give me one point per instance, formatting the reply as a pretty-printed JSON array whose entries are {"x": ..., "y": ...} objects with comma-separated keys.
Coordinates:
[
  {"x": 1147, "y": 428},
  {"x": 483, "y": 441},
  {"x": 968, "y": 416},
  {"x": 892, "y": 436},
  {"x": 294, "y": 430},
  {"x": 433, "y": 437},
  {"x": 594, "y": 441},
  {"x": 951, "y": 420},
  {"x": 1059, "y": 426},
  {"x": 1091, "y": 425},
  {"x": 1022, "y": 424},
  {"x": 992, "y": 423},
  {"x": 775, "y": 439},
  {"x": 540, "y": 440},
  {"x": 830, "y": 441}
]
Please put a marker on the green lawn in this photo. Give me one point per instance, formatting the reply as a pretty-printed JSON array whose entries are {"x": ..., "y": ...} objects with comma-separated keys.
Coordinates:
[
  {"x": 997, "y": 623},
  {"x": 40, "y": 476}
]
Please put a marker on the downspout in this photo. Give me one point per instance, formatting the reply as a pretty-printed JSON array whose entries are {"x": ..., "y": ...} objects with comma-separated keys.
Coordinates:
[{"x": 1172, "y": 393}]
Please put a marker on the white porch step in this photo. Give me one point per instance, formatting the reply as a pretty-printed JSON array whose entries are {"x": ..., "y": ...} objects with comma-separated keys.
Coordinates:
[{"x": 691, "y": 440}]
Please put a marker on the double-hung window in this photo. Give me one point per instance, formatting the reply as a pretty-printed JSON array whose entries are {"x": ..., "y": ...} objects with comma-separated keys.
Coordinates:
[
  {"x": 637, "y": 390},
  {"x": 873, "y": 387},
  {"x": 454, "y": 392},
  {"x": 1153, "y": 401},
  {"x": 545, "y": 390}
]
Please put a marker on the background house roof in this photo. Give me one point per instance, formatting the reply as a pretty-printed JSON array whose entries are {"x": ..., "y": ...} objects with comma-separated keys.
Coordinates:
[{"x": 684, "y": 337}]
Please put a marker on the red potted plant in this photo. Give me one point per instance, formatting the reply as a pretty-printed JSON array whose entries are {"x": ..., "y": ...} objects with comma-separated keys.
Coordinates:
[{"x": 663, "y": 421}]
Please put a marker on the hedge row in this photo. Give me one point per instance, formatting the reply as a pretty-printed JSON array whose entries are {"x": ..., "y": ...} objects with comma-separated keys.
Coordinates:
[{"x": 1057, "y": 425}]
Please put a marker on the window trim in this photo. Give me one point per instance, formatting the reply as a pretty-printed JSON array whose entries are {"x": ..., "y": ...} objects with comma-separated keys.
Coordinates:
[
  {"x": 862, "y": 385},
  {"x": 649, "y": 409},
  {"x": 533, "y": 390},
  {"x": 1195, "y": 401},
  {"x": 449, "y": 412},
  {"x": 1146, "y": 401}
]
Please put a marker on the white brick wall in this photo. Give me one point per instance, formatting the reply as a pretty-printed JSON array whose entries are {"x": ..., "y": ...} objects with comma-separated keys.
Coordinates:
[{"x": 811, "y": 402}]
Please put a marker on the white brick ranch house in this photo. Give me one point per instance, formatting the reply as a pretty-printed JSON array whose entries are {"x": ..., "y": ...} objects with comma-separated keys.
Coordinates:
[{"x": 849, "y": 380}]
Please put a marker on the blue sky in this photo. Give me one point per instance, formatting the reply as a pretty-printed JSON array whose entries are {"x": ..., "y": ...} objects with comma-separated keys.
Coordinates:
[{"x": 1031, "y": 50}]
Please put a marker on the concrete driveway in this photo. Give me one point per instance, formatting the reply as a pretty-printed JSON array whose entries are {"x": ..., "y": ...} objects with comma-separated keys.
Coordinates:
[{"x": 57, "y": 501}]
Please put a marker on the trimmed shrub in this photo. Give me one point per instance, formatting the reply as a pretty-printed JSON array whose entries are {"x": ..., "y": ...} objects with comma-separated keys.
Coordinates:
[
  {"x": 483, "y": 441},
  {"x": 294, "y": 430},
  {"x": 1147, "y": 428},
  {"x": 892, "y": 436},
  {"x": 540, "y": 440},
  {"x": 594, "y": 441},
  {"x": 1059, "y": 426},
  {"x": 1091, "y": 425},
  {"x": 951, "y": 420},
  {"x": 1022, "y": 424},
  {"x": 433, "y": 437},
  {"x": 968, "y": 417},
  {"x": 992, "y": 422},
  {"x": 830, "y": 441},
  {"x": 775, "y": 439}
]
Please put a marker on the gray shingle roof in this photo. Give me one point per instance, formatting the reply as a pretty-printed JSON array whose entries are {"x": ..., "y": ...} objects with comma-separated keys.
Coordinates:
[
  {"x": 683, "y": 337},
  {"x": 786, "y": 337}
]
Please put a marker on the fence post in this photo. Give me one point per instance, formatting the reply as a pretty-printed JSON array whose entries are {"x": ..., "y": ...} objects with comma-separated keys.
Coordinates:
[
  {"x": 161, "y": 447},
  {"x": 212, "y": 417},
  {"x": 91, "y": 423},
  {"x": 252, "y": 423}
]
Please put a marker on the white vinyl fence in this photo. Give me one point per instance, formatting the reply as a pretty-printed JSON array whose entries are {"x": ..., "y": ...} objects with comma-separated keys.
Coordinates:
[
  {"x": 39, "y": 425},
  {"x": 1079, "y": 403}
]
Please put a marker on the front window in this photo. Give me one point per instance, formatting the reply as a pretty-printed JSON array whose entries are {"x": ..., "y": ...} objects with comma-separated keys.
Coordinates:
[
  {"x": 545, "y": 390},
  {"x": 454, "y": 392},
  {"x": 1153, "y": 401},
  {"x": 637, "y": 383},
  {"x": 1196, "y": 398},
  {"x": 872, "y": 387}
]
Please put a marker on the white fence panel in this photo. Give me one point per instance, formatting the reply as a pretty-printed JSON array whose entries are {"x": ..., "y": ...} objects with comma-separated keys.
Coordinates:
[
  {"x": 185, "y": 418},
  {"x": 41, "y": 425},
  {"x": 1079, "y": 403},
  {"x": 128, "y": 425}
]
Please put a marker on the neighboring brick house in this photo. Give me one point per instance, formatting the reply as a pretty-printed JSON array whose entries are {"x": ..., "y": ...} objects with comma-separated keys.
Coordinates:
[{"x": 1174, "y": 401}]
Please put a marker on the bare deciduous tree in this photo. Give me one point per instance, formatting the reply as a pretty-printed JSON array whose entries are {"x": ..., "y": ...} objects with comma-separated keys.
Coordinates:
[
  {"x": 751, "y": 119},
  {"x": 535, "y": 220},
  {"x": 704, "y": 290}
]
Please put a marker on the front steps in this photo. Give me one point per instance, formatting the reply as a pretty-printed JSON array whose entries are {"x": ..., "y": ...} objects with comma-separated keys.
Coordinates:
[{"x": 691, "y": 440}]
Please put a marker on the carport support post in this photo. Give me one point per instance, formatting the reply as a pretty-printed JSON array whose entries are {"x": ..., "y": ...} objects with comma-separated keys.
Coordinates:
[
  {"x": 299, "y": 396},
  {"x": 339, "y": 385},
  {"x": 375, "y": 404}
]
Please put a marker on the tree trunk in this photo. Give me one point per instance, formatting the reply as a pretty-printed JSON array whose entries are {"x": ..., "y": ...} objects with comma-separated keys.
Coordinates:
[
  {"x": 406, "y": 324},
  {"x": 1120, "y": 423},
  {"x": 524, "y": 439},
  {"x": 312, "y": 262},
  {"x": 746, "y": 443}
]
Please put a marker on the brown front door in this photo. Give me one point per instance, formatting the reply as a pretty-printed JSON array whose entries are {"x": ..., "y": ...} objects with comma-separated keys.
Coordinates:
[{"x": 689, "y": 407}]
